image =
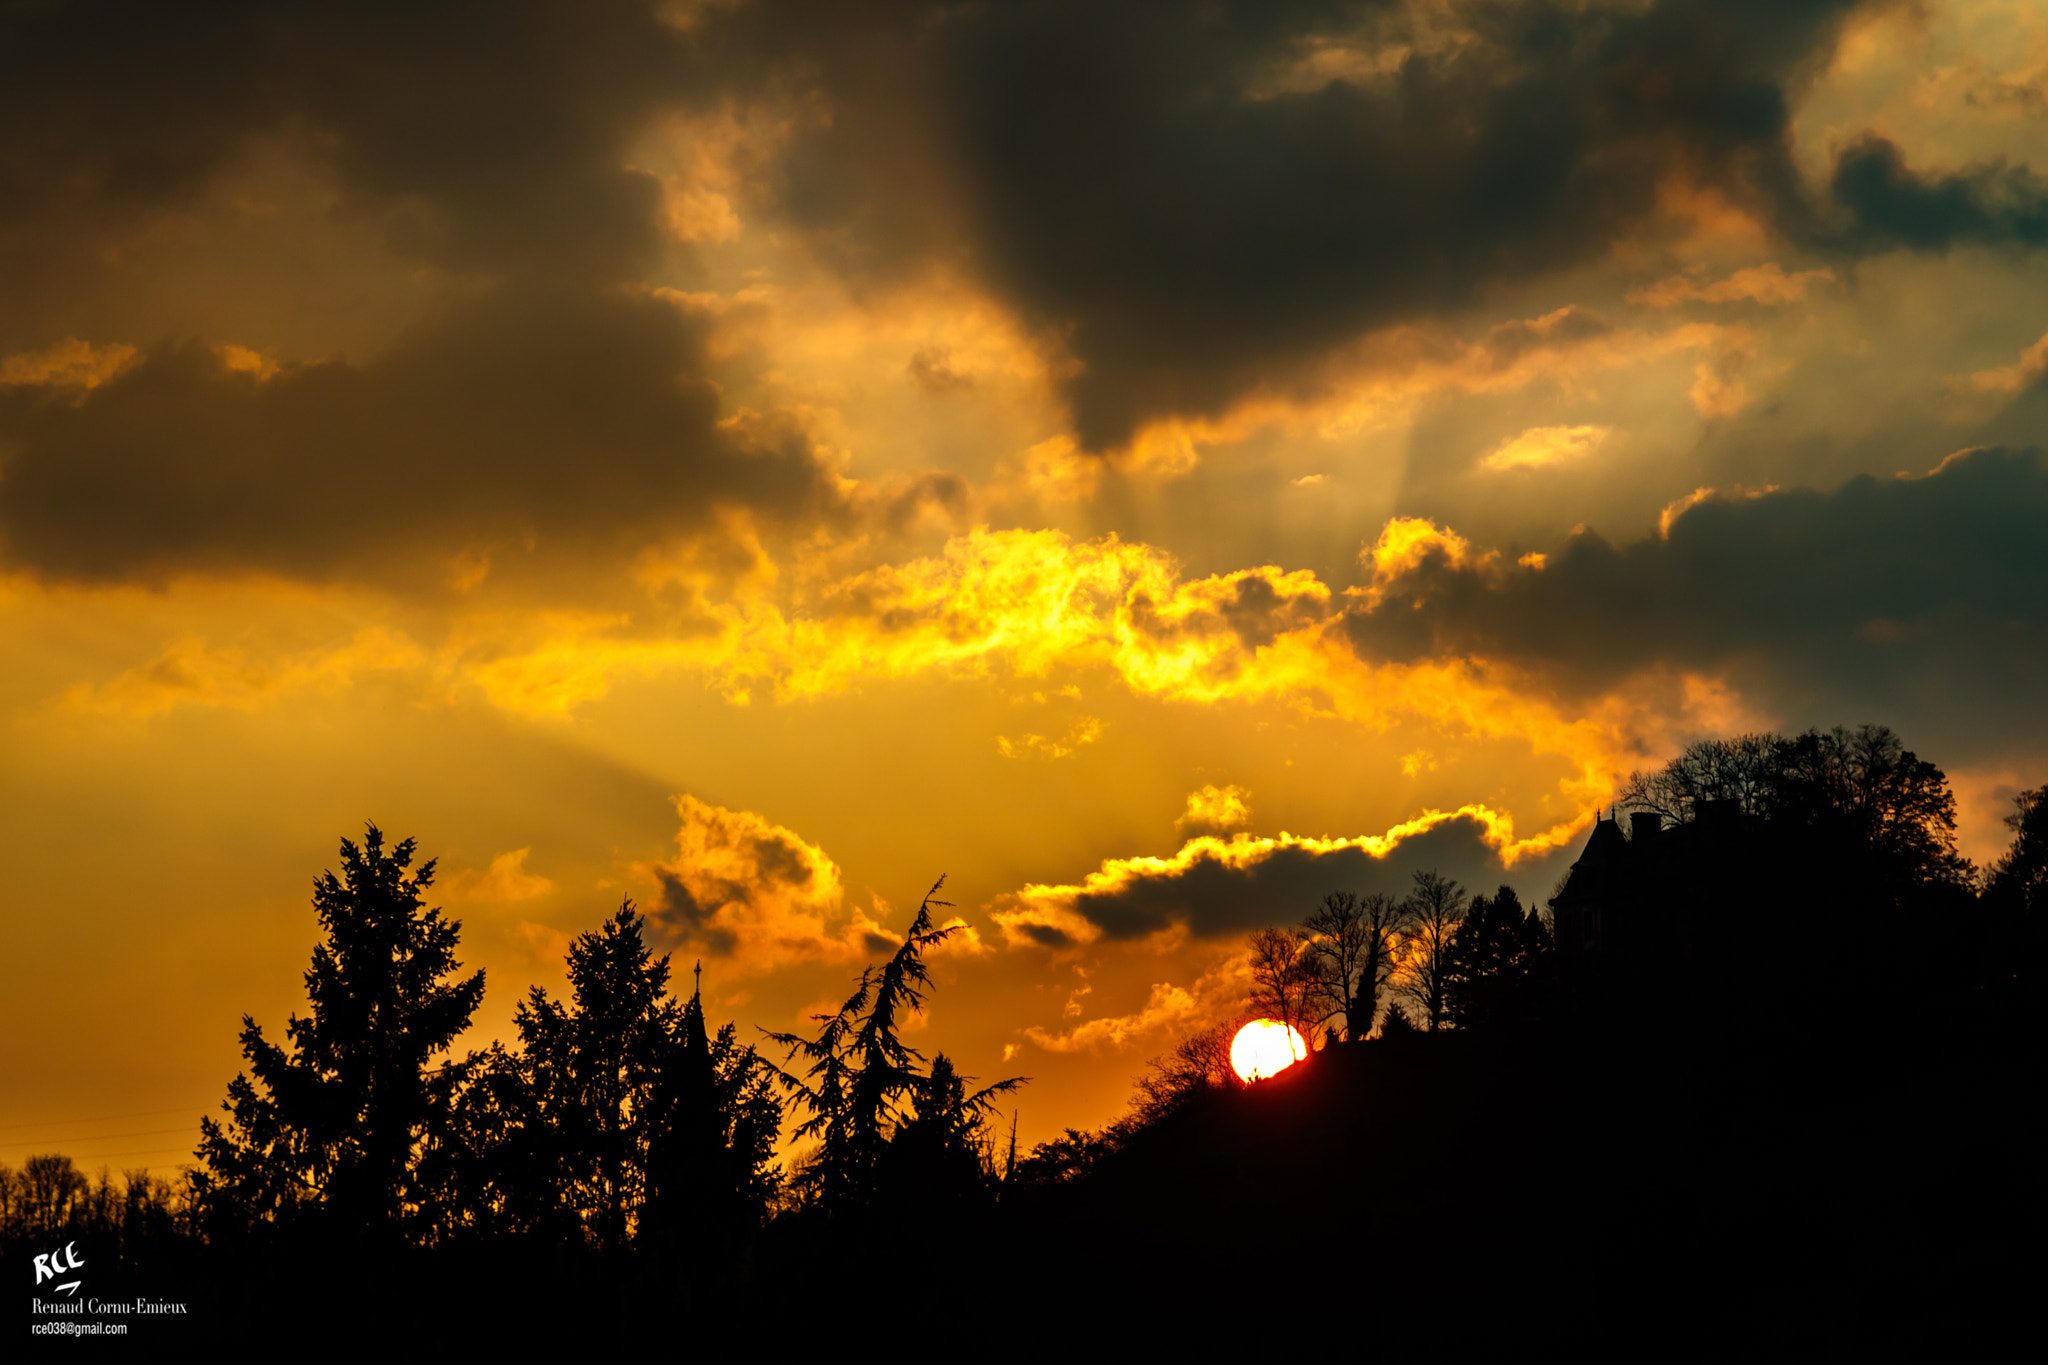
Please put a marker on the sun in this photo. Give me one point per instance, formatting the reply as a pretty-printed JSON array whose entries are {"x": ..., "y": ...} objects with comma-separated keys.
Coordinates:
[{"x": 1264, "y": 1047}]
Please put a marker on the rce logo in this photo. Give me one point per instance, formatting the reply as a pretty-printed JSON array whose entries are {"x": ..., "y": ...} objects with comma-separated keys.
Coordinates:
[{"x": 56, "y": 1263}]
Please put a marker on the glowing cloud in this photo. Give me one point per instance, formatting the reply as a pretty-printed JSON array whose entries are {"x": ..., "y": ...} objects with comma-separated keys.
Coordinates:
[
  {"x": 188, "y": 671},
  {"x": 1218, "y": 809},
  {"x": 1146, "y": 894},
  {"x": 505, "y": 881},
  {"x": 1766, "y": 284},
  {"x": 1083, "y": 731},
  {"x": 1678, "y": 507},
  {"x": 2027, "y": 370},
  {"x": 1404, "y": 546},
  {"x": 1216, "y": 994},
  {"x": 70, "y": 364},
  {"x": 1540, "y": 447},
  {"x": 744, "y": 888}
]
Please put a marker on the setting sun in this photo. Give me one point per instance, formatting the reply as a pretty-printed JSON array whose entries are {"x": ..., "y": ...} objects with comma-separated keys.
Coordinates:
[{"x": 1265, "y": 1047}]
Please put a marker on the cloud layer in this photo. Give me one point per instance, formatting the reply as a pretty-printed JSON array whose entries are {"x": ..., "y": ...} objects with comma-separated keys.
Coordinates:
[
  {"x": 1933, "y": 586},
  {"x": 1214, "y": 887}
]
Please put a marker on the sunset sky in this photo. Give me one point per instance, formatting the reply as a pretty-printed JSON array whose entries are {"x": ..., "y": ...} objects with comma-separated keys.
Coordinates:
[{"x": 1153, "y": 464}]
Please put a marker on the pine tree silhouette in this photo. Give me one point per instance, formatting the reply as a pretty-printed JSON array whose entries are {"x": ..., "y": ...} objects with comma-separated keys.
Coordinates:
[{"x": 354, "y": 1121}]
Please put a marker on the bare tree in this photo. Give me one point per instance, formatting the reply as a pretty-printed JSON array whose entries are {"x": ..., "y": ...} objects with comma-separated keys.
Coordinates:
[
  {"x": 1200, "y": 1061},
  {"x": 1354, "y": 947},
  {"x": 1435, "y": 909},
  {"x": 1334, "y": 934},
  {"x": 1740, "y": 769},
  {"x": 52, "y": 1193},
  {"x": 1283, "y": 978},
  {"x": 1386, "y": 929}
]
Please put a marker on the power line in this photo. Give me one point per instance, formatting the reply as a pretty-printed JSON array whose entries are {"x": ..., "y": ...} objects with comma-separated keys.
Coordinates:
[
  {"x": 103, "y": 1118},
  {"x": 111, "y": 1137}
]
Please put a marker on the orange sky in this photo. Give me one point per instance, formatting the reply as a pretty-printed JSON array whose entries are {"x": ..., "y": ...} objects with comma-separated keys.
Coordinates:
[{"x": 757, "y": 458}]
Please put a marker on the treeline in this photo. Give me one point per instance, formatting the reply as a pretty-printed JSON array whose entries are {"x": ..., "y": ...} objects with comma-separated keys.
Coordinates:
[
  {"x": 1778, "y": 908},
  {"x": 619, "y": 1139},
  {"x": 619, "y": 1130},
  {"x": 132, "y": 1221},
  {"x": 617, "y": 1124}
]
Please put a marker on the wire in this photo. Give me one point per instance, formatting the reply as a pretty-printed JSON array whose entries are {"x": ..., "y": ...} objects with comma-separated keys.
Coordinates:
[
  {"x": 103, "y": 1118},
  {"x": 112, "y": 1137}
]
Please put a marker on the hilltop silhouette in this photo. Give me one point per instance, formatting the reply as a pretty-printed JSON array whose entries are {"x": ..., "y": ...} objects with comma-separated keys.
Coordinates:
[{"x": 1760, "y": 1080}]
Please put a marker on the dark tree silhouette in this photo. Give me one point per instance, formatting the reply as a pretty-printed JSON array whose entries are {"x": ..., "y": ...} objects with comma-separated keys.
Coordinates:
[
  {"x": 1842, "y": 841},
  {"x": 1199, "y": 1062},
  {"x": 1861, "y": 787},
  {"x": 1496, "y": 957},
  {"x": 859, "y": 1073},
  {"x": 1068, "y": 1157},
  {"x": 1338, "y": 938},
  {"x": 713, "y": 1123},
  {"x": 2016, "y": 907},
  {"x": 2023, "y": 869},
  {"x": 354, "y": 1121},
  {"x": 1396, "y": 1024},
  {"x": 52, "y": 1193},
  {"x": 1742, "y": 769},
  {"x": 1386, "y": 923},
  {"x": 1866, "y": 790},
  {"x": 619, "y": 1122},
  {"x": 594, "y": 1063},
  {"x": 1284, "y": 979},
  {"x": 940, "y": 1153},
  {"x": 1435, "y": 908}
]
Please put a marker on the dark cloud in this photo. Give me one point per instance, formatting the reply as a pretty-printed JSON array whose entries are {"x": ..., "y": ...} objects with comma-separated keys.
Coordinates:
[
  {"x": 494, "y": 133},
  {"x": 1993, "y": 204},
  {"x": 1215, "y": 899},
  {"x": 683, "y": 914},
  {"x": 528, "y": 422},
  {"x": 1920, "y": 596},
  {"x": 490, "y": 140},
  {"x": 1171, "y": 189},
  {"x": 1045, "y": 935},
  {"x": 1147, "y": 182}
]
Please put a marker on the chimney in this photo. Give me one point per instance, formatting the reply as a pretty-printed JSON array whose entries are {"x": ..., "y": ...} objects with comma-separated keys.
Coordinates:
[{"x": 1644, "y": 824}]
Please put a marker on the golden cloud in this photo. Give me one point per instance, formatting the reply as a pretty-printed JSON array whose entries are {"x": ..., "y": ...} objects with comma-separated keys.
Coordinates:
[
  {"x": 188, "y": 671},
  {"x": 2022, "y": 373},
  {"x": 1084, "y": 731},
  {"x": 1678, "y": 507},
  {"x": 745, "y": 888},
  {"x": 1404, "y": 544},
  {"x": 1767, "y": 284},
  {"x": 1215, "y": 808},
  {"x": 990, "y": 603},
  {"x": 1540, "y": 447},
  {"x": 504, "y": 882},
  {"x": 1217, "y": 994},
  {"x": 69, "y": 364}
]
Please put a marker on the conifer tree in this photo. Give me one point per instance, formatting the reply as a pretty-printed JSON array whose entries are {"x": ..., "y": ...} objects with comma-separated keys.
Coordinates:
[
  {"x": 620, "y": 1122},
  {"x": 859, "y": 1072},
  {"x": 939, "y": 1153},
  {"x": 354, "y": 1120}
]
